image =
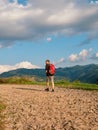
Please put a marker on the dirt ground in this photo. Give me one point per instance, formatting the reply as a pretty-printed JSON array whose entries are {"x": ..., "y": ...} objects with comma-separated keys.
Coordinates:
[{"x": 29, "y": 107}]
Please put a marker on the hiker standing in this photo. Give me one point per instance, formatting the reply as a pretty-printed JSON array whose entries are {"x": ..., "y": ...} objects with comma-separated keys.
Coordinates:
[{"x": 50, "y": 71}]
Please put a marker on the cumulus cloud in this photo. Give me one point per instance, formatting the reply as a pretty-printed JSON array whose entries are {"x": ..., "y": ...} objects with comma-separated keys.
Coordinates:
[
  {"x": 24, "y": 64},
  {"x": 82, "y": 56},
  {"x": 73, "y": 57},
  {"x": 39, "y": 18}
]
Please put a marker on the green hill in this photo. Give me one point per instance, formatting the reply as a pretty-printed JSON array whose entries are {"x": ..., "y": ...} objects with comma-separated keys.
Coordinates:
[{"x": 87, "y": 73}]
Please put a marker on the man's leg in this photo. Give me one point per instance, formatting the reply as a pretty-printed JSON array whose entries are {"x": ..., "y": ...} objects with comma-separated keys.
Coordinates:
[
  {"x": 47, "y": 83},
  {"x": 52, "y": 81}
]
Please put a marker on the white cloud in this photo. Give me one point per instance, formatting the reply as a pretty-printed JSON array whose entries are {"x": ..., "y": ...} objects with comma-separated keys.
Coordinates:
[
  {"x": 40, "y": 18},
  {"x": 73, "y": 57},
  {"x": 82, "y": 56},
  {"x": 24, "y": 64},
  {"x": 49, "y": 39},
  {"x": 62, "y": 60},
  {"x": 97, "y": 55}
]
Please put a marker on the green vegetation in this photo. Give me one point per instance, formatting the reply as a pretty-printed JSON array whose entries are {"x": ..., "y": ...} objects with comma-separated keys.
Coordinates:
[
  {"x": 76, "y": 85},
  {"x": 2, "y": 107},
  {"x": 17, "y": 80},
  {"x": 59, "y": 83}
]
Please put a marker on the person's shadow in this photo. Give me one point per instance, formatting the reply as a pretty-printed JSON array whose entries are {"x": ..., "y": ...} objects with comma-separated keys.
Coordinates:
[{"x": 31, "y": 89}]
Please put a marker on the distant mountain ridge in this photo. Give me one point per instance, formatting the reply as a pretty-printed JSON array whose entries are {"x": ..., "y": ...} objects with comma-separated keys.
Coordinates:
[{"x": 86, "y": 73}]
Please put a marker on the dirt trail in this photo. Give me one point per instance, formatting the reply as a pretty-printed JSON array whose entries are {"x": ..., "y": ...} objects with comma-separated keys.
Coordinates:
[{"x": 30, "y": 108}]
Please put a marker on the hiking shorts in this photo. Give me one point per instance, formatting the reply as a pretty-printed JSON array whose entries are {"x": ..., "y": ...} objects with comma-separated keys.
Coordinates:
[{"x": 50, "y": 78}]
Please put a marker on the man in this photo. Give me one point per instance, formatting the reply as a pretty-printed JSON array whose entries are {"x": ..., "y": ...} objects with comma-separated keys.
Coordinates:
[{"x": 50, "y": 70}]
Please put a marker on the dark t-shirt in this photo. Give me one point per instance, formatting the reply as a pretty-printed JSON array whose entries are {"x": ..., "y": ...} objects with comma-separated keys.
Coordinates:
[{"x": 47, "y": 68}]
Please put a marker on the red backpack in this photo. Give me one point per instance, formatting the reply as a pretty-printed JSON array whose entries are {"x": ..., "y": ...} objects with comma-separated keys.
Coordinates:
[{"x": 52, "y": 69}]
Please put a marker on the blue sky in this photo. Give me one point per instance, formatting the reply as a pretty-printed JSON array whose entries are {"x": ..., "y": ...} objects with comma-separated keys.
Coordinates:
[{"x": 64, "y": 31}]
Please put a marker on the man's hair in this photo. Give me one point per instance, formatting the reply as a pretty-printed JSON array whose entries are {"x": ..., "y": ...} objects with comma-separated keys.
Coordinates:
[{"x": 47, "y": 60}]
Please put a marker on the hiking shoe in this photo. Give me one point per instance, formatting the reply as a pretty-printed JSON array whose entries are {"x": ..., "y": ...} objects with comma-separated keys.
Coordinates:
[
  {"x": 52, "y": 90},
  {"x": 47, "y": 89}
]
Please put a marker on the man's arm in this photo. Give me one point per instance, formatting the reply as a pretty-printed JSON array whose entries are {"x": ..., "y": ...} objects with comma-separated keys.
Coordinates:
[{"x": 46, "y": 69}]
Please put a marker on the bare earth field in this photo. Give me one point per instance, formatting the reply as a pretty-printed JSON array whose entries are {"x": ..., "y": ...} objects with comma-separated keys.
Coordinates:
[{"x": 29, "y": 107}]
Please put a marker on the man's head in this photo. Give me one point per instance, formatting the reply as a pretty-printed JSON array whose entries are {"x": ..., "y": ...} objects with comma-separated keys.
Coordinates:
[{"x": 47, "y": 61}]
